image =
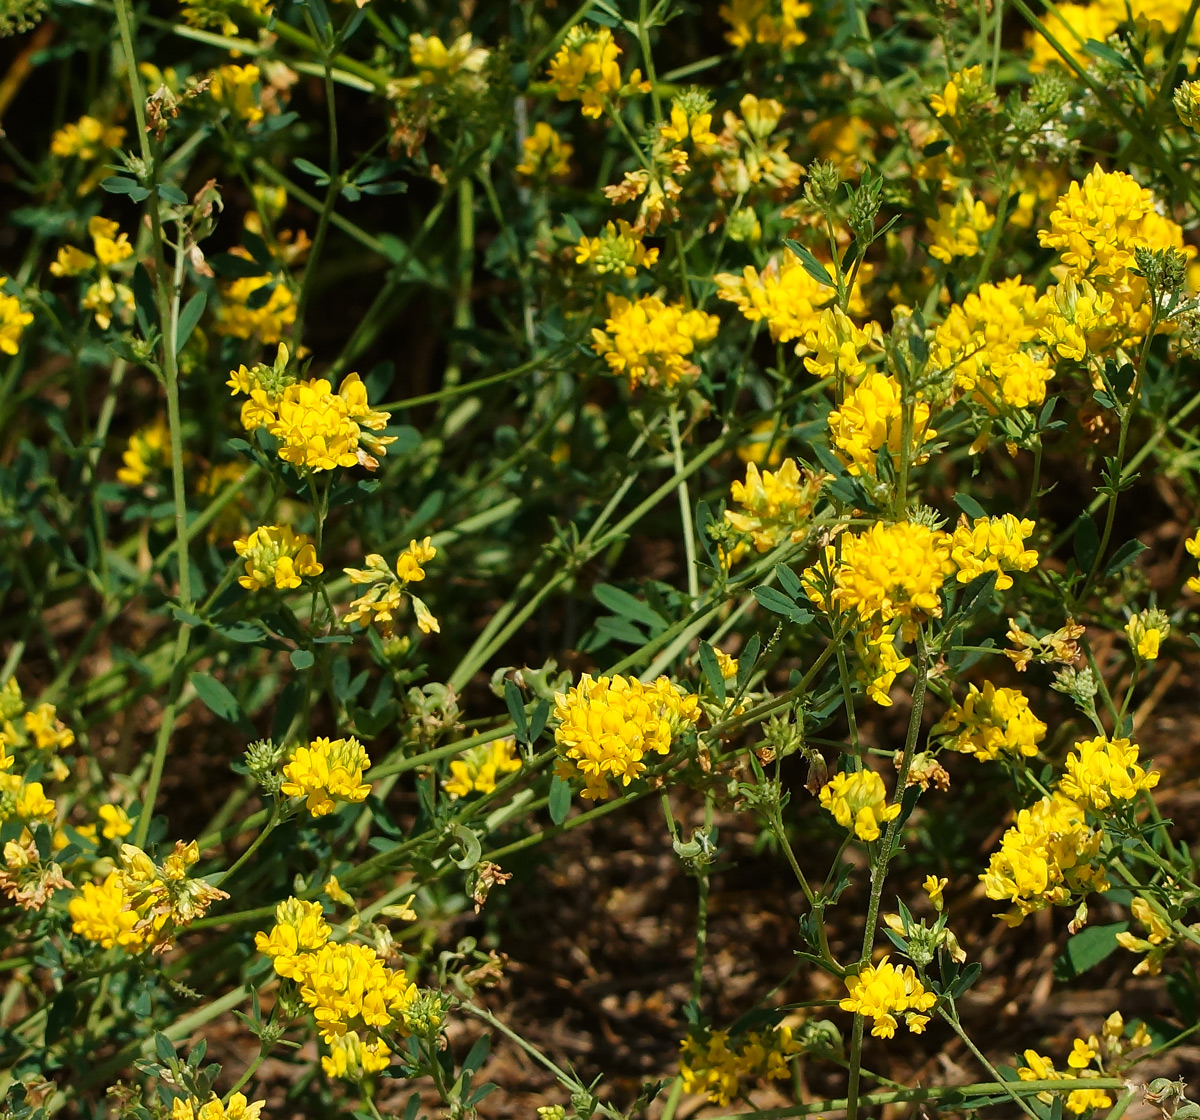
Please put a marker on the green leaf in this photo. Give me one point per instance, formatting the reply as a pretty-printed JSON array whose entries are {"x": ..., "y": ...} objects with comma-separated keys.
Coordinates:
[
  {"x": 1123, "y": 557},
  {"x": 516, "y": 709},
  {"x": 218, "y": 699},
  {"x": 164, "y": 1048},
  {"x": 622, "y": 603},
  {"x": 1089, "y": 947},
  {"x": 812, "y": 266},
  {"x": 712, "y": 671},
  {"x": 118, "y": 184},
  {"x": 301, "y": 659},
  {"x": 969, "y": 506},
  {"x": 789, "y": 581},
  {"x": 188, "y": 318},
  {"x": 560, "y": 799},
  {"x": 779, "y": 603},
  {"x": 469, "y": 843},
  {"x": 537, "y": 721},
  {"x": 1087, "y": 542}
]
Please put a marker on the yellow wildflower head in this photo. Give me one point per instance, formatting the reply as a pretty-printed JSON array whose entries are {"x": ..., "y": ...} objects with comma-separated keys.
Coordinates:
[
  {"x": 586, "y": 69},
  {"x": 1146, "y": 631},
  {"x": 546, "y": 155},
  {"x": 233, "y": 87},
  {"x": 776, "y": 505},
  {"x": 957, "y": 228},
  {"x": 647, "y": 340},
  {"x": 882, "y": 991},
  {"x": 13, "y": 321},
  {"x": 325, "y": 772},
  {"x": 1102, "y": 772},
  {"x": 992, "y": 544},
  {"x": 993, "y": 722},
  {"x": 858, "y": 802},
  {"x": 479, "y": 769},
  {"x": 871, "y": 419},
  {"x": 767, "y": 22},
  {"x": 146, "y": 454},
  {"x": 276, "y": 556}
]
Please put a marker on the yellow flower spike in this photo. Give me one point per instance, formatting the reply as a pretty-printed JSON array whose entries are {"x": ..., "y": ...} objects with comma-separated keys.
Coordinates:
[
  {"x": 546, "y": 155},
  {"x": 585, "y": 69},
  {"x": 933, "y": 887},
  {"x": 1146, "y": 632},
  {"x": 650, "y": 341},
  {"x": 1101, "y": 772},
  {"x": 325, "y": 772},
  {"x": 871, "y": 419},
  {"x": 882, "y": 991},
  {"x": 13, "y": 321},
  {"x": 116, "y": 822},
  {"x": 278, "y": 557},
  {"x": 858, "y": 803},
  {"x": 479, "y": 768},
  {"x": 776, "y": 505},
  {"x": 100, "y": 913},
  {"x": 957, "y": 228},
  {"x": 992, "y": 544},
  {"x": 993, "y": 721}
]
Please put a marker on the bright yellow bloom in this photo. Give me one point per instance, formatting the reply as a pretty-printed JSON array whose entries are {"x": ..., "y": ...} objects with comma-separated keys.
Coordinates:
[
  {"x": 480, "y": 768},
  {"x": 72, "y": 262},
  {"x": 277, "y": 557},
  {"x": 348, "y": 987},
  {"x": 889, "y": 571},
  {"x": 1146, "y": 632},
  {"x": 858, "y": 802},
  {"x": 992, "y": 544},
  {"x": 1077, "y": 320},
  {"x": 546, "y": 155},
  {"x": 116, "y": 822},
  {"x": 882, "y": 991},
  {"x": 1072, "y": 25},
  {"x": 717, "y": 1066},
  {"x": 619, "y": 249},
  {"x": 993, "y": 722},
  {"x": 13, "y": 321},
  {"x": 1101, "y": 772},
  {"x": 86, "y": 139},
  {"x": 776, "y": 504},
  {"x": 352, "y": 1058},
  {"x": 957, "y": 228},
  {"x": 238, "y": 1108},
  {"x": 300, "y": 928},
  {"x": 267, "y": 321},
  {"x": 648, "y": 340},
  {"x": 108, "y": 243},
  {"x": 1040, "y": 1068},
  {"x": 383, "y": 599},
  {"x": 327, "y": 771},
  {"x": 966, "y": 83},
  {"x": 147, "y": 453},
  {"x": 585, "y": 69},
  {"x": 233, "y": 88},
  {"x": 870, "y": 419},
  {"x": 48, "y": 732},
  {"x": 761, "y": 21},
  {"x": 102, "y": 913},
  {"x": 933, "y": 886},
  {"x": 437, "y": 63},
  {"x": 1159, "y": 938},
  {"x": 879, "y": 663},
  {"x": 784, "y": 295},
  {"x": 608, "y": 725},
  {"x": 836, "y": 346},
  {"x": 684, "y": 125},
  {"x": 32, "y": 802},
  {"x": 1045, "y": 859}
]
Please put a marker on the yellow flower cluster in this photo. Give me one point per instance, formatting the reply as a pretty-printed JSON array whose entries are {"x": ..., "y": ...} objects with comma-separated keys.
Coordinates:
[
  {"x": 652, "y": 341},
  {"x": 104, "y": 298},
  {"x": 545, "y": 154},
  {"x": 887, "y": 572},
  {"x": 142, "y": 904},
  {"x": 437, "y": 64},
  {"x": 957, "y": 227},
  {"x": 1147, "y": 631},
  {"x": 1072, "y": 25},
  {"x": 765, "y": 22},
  {"x": 608, "y": 725},
  {"x": 86, "y": 139},
  {"x": 276, "y": 557},
  {"x": 1077, "y": 320},
  {"x": 992, "y": 544},
  {"x": 1045, "y": 859},
  {"x": 1192, "y": 544},
  {"x": 1079, "y": 1101},
  {"x": 325, "y": 772},
  {"x": 147, "y": 453},
  {"x": 619, "y": 249},
  {"x": 1095, "y": 227},
  {"x": 992, "y": 722},
  {"x": 964, "y": 86},
  {"x": 836, "y": 346},
  {"x": 244, "y": 314},
  {"x": 718, "y": 1066},
  {"x": 775, "y": 504},
  {"x": 317, "y": 428},
  {"x": 984, "y": 340},
  {"x": 480, "y": 768},
  {"x": 238, "y": 1108},
  {"x": 879, "y": 663},
  {"x": 13, "y": 321},
  {"x": 1103, "y": 771},
  {"x": 1159, "y": 938},
  {"x": 385, "y": 594},
  {"x": 749, "y": 156},
  {"x": 858, "y": 802},
  {"x": 232, "y": 87},
  {"x": 783, "y": 295},
  {"x": 870, "y": 419},
  {"x": 353, "y": 994},
  {"x": 29, "y": 737},
  {"x": 882, "y": 991},
  {"x": 585, "y": 69}
]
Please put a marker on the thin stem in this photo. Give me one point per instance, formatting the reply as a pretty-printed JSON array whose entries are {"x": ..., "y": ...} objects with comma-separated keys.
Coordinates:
[{"x": 685, "y": 508}]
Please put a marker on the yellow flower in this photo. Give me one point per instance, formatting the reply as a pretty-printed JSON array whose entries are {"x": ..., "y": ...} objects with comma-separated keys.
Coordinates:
[
  {"x": 840, "y": 140},
  {"x": 1193, "y": 547},
  {"x": 13, "y": 321},
  {"x": 957, "y": 228},
  {"x": 993, "y": 722},
  {"x": 648, "y": 340},
  {"x": 233, "y": 87},
  {"x": 266, "y": 320},
  {"x": 585, "y": 69},
  {"x": 277, "y": 557},
  {"x": 1039, "y": 1068},
  {"x": 966, "y": 85},
  {"x": 617, "y": 250},
  {"x": 478, "y": 770},
  {"x": 116, "y": 822},
  {"x": 1159, "y": 938},
  {"x": 1101, "y": 771},
  {"x": 992, "y": 544},
  {"x": 836, "y": 346},
  {"x": 348, "y": 987},
  {"x": 871, "y": 419},
  {"x": 882, "y": 991},
  {"x": 32, "y": 802},
  {"x": 716, "y": 1065},
  {"x": 776, "y": 505},
  {"x": 1077, "y": 320},
  {"x": 72, "y": 262},
  {"x": 436, "y": 63},
  {"x": 607, "y": 726},
  {"x": 48, "y": 731},
  {"x": 108, "y": 243},
  {"x": 755, "y": 21},
  {"x": 1146, "y": 632},
  {"x": 1045, "y": 859},
  {"x": 1071, "y": 25},
  {"x": 546, "y": 155},
  {"x": 300, "y": 929},
  {"x": 146, "y": 454},
  {"x": 352, "y": 1058},
  {"x": 933, "y": 887},
  {"x": 238, "y": 1108},
  {"x": 101, "y": 912},
  {"x": 784, "y": 295},
  {"x": 327, "y": 771},
  {"x": 86, "y": 139},
  {"x": 879, "y": 663},
  {"x": 889, "y": 571},
  {"x": 385, "y": 595},
  {"x": 858, "y": 802}
]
